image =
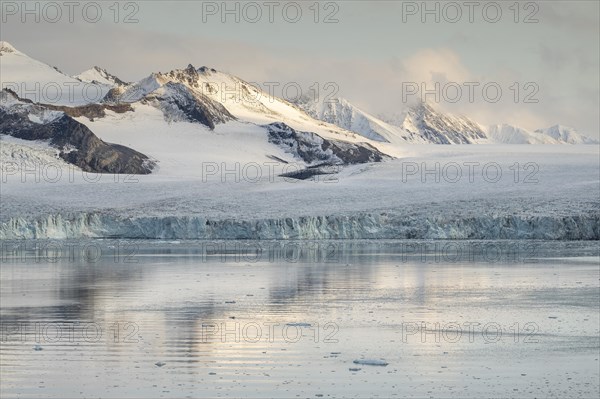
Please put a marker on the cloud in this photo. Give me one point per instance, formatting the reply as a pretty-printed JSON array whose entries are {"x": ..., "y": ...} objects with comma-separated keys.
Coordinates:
[
  {"x": 580, "y": 17},
  {"x": 435, "y": 65},
  {"x": 373, "y": 83}
]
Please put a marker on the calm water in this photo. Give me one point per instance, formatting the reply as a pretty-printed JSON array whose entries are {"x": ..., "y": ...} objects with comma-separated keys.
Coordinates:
[{"x": 196, "y": 319}]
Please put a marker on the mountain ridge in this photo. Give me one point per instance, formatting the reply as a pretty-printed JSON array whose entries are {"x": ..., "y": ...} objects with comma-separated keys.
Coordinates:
[{"x": 208, "y": 96}]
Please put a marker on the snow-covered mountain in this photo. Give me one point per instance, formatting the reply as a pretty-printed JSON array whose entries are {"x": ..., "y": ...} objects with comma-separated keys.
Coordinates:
[
  {"x": 74, "y": 142},
  {"x": 219, "y": 97},
  {"x": 241, "y": 99},
  {"x": 558, "y": 134},
  {"x": 508, "y": 134},
  {"x": 565, "y": 134},
  {"x": 195, "y": 99},
  {"x": 340, "y": 112},
  {"x": 179, "y": 103},
  {"x": 203, "y": 99},
  {"x": 418, "y": 124},
  {"x": 423, "y": 123},
  {"x": 99, "y": 75},
  {"x": 41, "y": 83},
  {"x": 7, "y": 48}
]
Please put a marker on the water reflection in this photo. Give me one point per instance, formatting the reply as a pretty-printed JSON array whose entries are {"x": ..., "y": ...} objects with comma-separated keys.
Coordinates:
[{"x": 269, "y": 317}]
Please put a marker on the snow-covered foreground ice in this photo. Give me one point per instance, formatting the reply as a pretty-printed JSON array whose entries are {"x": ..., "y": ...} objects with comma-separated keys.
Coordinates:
[
  {"x": 288, "y": 319},
  {"x": 447, "y": 192}
]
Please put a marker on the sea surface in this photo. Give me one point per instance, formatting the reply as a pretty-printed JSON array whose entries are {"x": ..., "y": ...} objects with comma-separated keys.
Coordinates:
[{"x": 119, "y": 318}]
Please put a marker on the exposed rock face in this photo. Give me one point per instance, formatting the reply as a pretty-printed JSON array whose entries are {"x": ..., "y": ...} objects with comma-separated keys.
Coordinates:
[
  {"x": 314, "y": 149},
  {"x": 77, "y": 144},
  {"x": 90, "y": 111},
  {"x": 178, "y": 103},
  {"x": 312, "y": 171},
  {"x": 189, "y": 76}
]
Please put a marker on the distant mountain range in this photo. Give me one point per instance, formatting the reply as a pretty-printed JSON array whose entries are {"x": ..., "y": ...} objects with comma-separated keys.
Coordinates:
[
  {"x": 39, "y": 102},
  {"x": 423, "y": 123}
]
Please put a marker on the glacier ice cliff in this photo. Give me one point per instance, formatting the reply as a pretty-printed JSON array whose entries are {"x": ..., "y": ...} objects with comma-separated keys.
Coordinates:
[{"x": 355, "y": 226}]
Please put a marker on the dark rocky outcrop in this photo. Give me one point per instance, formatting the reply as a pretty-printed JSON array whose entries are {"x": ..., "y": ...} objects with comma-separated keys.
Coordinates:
[
  {"x": 90, "y": 111},
  {"x": 312, "y": 171},
  {"x": 176, "y": 100},
  {"x": 77, "y": 144},
  {"x": 312, "y": 148}
]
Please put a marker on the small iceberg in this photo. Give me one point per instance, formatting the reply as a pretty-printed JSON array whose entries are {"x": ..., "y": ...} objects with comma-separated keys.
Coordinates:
[
  {"x": 298, "y": 324},
  {"x": 371, "y": 362}
]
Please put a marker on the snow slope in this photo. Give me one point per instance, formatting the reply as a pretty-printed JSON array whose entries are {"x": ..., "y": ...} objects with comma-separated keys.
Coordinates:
[
  {"x": 42, "y": 83},
  {"x": 508, "y": 134},
  {"x": 340, "y": 112},
  {"x": 100, "y": 76},
  {"x": 186, "y": 148},
  {"x": 22, "y": 155}
]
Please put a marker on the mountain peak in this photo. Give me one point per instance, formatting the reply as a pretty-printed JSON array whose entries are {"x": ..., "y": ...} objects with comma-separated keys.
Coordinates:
[
  {"x": 424, "y": 120},
  {"x": 6, "y": 47},
  {"x": 206, "y": 70},
  {"x": 422, "y": 106},
  {"x": 560, "y": 128},
  {"x": 566, "y": 134},
  {"x": 101, "y": 76}
]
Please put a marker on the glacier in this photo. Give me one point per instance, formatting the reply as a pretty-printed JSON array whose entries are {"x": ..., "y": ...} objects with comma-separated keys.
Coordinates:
[
  {"x": 360, "y": 226},
  {"x": 557, "y": 199}
]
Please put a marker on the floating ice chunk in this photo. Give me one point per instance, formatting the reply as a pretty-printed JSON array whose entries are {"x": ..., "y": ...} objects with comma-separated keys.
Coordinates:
[
  {"x": 299, "y": 324},
  {"x": 371, "y": 362}
]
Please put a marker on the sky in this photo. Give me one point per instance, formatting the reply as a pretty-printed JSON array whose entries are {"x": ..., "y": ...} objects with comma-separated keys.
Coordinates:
[{"x": 530, "y": 64}]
